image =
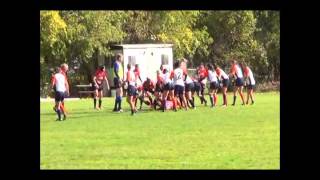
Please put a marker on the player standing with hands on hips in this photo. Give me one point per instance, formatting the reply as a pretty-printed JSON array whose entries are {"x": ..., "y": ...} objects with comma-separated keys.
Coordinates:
[{"x": 118, "y": 75}]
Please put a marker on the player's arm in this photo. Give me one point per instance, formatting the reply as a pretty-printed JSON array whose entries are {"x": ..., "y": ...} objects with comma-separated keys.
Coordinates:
[
  {"x": 53, "y": 82},
  {"x": 106, "y": 79},
  {"x": 139, "y": 77},
  {"x": 67, "y": 86},
  {"x": 116, "y": 70},
  {"x": 95, "y": 80}
]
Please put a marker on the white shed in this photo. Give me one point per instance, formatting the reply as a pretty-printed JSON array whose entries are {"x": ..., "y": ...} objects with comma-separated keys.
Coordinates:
[{"x": 149, "y": 57}]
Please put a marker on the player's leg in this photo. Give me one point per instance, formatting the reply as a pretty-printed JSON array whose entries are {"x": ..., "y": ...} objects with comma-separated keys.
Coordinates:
[
  {"x": 58, "y": 104},
  {"x": 251, "y": 95},
  {"x": 95, "y": 95},
  {"x": 164, "y": 99},
  {"x": 190, "y": 98},
  {"x": 241, "y": 94},
  {"x": 184, "y": 101},
  {"x": 100, "y": 95},
  {"x": 202, "y": 94},
  {"x": 211, "y": 95},
  {"x": 215, "y": 97},
  {"x": 115, "y": 83},
  {"x": 235, "y": 89},
  {"x": 248, "y": 94}
]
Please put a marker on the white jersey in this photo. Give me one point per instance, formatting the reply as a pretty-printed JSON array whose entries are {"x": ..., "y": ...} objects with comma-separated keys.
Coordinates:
[
  {"x": 212, "y": 76},
  {"x": 238, "y": 71},
  {"x": 60, "y": 82},
  {"x": 178, "y": 77},
  {"x": 166, "y": 78},
  {"x": 250, "y": 79},
  {"x": 222, "y": 74},
  {"x": 188, "y": 80}
]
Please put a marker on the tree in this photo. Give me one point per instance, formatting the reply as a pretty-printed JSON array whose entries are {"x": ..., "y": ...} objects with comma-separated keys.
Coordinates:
[{"x": 268, "y": 33}]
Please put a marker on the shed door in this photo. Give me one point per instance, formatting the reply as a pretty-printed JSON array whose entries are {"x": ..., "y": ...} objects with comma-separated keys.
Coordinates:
[{"x": 153, "y": 62}]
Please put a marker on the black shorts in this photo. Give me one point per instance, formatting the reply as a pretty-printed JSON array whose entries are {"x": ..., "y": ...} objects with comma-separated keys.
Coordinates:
[
  {"x": 116, "y": 82},
  {"x": 59, "y": 96},
  {"x": 178, "y": 90},
  {"x": 225, "y": 82},
  {"x": 250, "y": 86},
  {"x": 99, "y": 88},
  {"x": 239, "y": 82},
  {"x": 168, "y": 87},
  {"x": 214, "y": 85},
  {"x": 132, "y": 90},
  {"x": 190, "y": 87},
  {"x": 158, "y": 88},
  {"x": 197, "y": 86}
]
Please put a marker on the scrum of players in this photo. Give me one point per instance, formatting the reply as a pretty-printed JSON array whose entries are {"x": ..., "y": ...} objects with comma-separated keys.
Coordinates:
[{"x": 173, "y": 90}]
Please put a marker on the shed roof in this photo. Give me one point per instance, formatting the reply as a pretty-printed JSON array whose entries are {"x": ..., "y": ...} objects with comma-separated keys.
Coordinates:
[{"x": 138, "y": 46}]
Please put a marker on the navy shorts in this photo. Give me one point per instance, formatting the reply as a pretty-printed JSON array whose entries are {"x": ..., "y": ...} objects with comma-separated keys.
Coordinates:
[
  {"x": 225, "y": 82},
  {"x": 214, "y": 85},
  {"x": 116, "y": 82},
  {"x": 132, "y": 90},
  {"x": 239, "y": 82},
  {"x": 197, "y": 86},
  {"x": 190, "y": 87},
  {"x": 178, "y": 90},
  {"x": 100, "y": 87},
  {"x": 59, "y": 96},
  {"x": 168, "y": 87}
]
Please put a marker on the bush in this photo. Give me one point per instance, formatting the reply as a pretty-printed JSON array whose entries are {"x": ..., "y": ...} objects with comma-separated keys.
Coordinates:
[{"x": 268, "y": 86}]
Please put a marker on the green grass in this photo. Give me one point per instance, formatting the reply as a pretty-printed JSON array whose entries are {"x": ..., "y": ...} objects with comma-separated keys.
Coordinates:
[{"x": 240, "y": 137}]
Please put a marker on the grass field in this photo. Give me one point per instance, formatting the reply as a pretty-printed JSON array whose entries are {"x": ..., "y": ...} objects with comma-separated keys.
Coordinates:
[{"x": 240, "y": 137}]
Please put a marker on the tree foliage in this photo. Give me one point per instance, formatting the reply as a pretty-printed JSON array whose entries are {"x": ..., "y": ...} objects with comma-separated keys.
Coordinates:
[{"x": 78, "y": 37}]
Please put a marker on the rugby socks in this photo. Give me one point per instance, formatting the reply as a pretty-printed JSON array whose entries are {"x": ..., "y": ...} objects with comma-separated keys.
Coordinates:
[
  {"x": 141, "y": 101},
  {"x": 135, "y": 102},
  {"x": 234, "y": 100},
  {"x": 59, "y": 114},
  {"x": 100, "y": 101},
  {"x": 211, "y": 100},
  {"x": 150, "y": 99},
  {"x": 191, "y": 102},
  {"x": 204, "y": 100},
  {"x": 115, "y": 104},
  {"x": 94, "y": 102},
  {"x": 120, "y": 99}
]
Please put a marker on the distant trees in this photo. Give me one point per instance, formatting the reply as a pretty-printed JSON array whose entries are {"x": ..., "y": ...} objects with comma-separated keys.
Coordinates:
[{"x": 78, "y": 37}]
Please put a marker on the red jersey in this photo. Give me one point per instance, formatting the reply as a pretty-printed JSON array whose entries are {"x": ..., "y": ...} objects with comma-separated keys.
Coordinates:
[
  {"x": 203, "y": 73},
  {"x": 159, "y": 79},
  {"x": 136, "y": 72},
  {"x": 100, "y": 74},
  {"x": 246, "y": 72},
  {"x": 148, "y": 86},
  {"x": 236, "y": 70}
]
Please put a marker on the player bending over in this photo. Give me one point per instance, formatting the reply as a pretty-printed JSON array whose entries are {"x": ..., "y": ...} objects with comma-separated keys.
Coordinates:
[
  {"x": 236, "y": 72},
  {"x": 98, "y": 79}
]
